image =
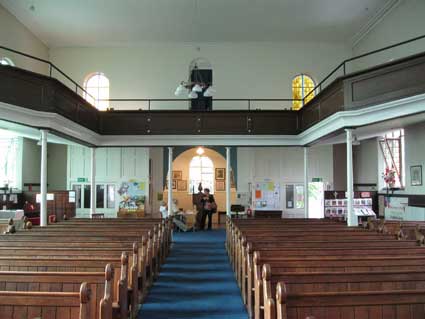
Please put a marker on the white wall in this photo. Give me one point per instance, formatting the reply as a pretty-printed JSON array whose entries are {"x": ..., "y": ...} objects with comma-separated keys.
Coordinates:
[
  {"x": 31, "y": 161},
  {"x": 15, "y": 35},
  {"x": 240, "y": 70},
  {"x": 365, "y": 162},
  {"x": 283, "y": 165},
  {"x": 156, "y": 156},
  {"x": 402, "y": 23},
  {"x": 415, "y": 154},
  {"x": 56, "y": 166},
  {"x": 113, "y": 166}
]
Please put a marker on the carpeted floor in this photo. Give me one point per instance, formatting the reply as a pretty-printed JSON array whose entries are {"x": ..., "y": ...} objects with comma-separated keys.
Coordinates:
[{"x": 197, "y": 281}]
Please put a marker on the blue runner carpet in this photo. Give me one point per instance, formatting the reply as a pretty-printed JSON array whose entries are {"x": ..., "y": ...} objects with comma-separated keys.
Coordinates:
[{"x": 196, "y": 281}]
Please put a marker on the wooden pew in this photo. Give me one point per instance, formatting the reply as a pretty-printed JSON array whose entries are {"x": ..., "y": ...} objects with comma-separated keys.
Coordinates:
[
  {"x": 90, "y": 245},
  {"x": 52, "y": 305},
  {"x": 359, "y": 305},
  {"x": 64, "y": 282},
  {"x": 339, "y": 282},
  {"x": 300, "y": 240}
]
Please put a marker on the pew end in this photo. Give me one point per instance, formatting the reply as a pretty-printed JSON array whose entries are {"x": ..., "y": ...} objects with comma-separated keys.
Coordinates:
[
  {"x": 281, "y": 297},
  {"x": 107, "y": 300}
]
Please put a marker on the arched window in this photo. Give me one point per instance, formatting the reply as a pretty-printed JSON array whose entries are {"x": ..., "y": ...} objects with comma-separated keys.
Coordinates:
[
  {"x": 97, "y": 87},
  {"x": 302, "y": 85},
  {"x": 6, "y": 61},
  {"x": 201, "y": 170}
]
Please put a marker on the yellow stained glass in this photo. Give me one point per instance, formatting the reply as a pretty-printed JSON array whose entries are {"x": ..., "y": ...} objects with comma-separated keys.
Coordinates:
[{"x": 302, "y": 85}]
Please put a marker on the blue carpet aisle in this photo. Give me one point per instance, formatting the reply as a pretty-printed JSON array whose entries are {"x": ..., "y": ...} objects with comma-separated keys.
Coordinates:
[{"x": 197, "y": 281}]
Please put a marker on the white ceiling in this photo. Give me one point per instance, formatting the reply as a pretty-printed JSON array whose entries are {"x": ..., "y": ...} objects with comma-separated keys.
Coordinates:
[{"x": 127, "y": 22}]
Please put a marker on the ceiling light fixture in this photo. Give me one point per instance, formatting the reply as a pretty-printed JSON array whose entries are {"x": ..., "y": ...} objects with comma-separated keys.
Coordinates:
[
  {"x": 200, "y": 151},
  {"x": 194, "y": 88}
]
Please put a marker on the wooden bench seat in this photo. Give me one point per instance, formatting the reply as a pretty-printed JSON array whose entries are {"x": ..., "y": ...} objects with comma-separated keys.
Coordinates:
[
  {"x": 51, "y": 305},
  {"x": 348, "y": 305},
  {"x": 336, "y": 282},
  {"x": 67, "y": 282},
  {"x": 319, "y": 258}
]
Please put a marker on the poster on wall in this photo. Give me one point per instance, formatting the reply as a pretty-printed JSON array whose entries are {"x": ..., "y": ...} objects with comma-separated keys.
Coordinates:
[
  {"x": 267, "y": 196},
  {"x": 132, "y": 197},
  {"x": 395, "y": 207}
]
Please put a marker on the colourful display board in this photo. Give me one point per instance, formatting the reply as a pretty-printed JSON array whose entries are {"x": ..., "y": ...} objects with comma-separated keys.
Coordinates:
[{"x": 266, "y": 196}]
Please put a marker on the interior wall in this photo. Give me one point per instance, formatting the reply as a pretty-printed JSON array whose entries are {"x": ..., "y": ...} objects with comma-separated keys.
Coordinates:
[
  {"x": 56, "y": 166},
  {"x": 404, "y": 22},
  {"x": 156, "y": 158},
  {"x": 181, "y": 163},
  {"x": 365, "y": 162},
  {"x": 414, "y": 155},
  {"x": 113, "y": 166},
  {"x": 154, "y": 70},
  {"x": 15, "y": 35},
  {"x": 340, "y": 166},
  {"x": 31, "y": 162},
  {"x": 284, "y": 165}
]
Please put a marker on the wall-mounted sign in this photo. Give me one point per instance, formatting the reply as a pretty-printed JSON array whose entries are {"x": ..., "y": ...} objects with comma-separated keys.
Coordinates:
[
  {"x": 48, "y": 197},
  {"x": 82, "y": 179}
]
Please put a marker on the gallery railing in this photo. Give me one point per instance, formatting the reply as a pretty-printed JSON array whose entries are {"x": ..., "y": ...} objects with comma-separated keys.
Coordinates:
[{"x": 346, "y": 67}]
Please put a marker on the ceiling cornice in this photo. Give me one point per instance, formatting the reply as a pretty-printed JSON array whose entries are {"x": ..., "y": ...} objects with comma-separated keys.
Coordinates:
[{"x": 389, "y": 6}]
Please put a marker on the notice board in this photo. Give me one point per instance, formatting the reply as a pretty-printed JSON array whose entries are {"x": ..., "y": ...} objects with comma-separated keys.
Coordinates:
[{"x": 266, "y": 195}]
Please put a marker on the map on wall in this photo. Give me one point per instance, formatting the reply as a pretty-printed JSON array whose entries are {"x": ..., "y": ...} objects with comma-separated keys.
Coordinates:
[
  {"x": 132, "y": 195},
  {"x": 267, "y": 196}
]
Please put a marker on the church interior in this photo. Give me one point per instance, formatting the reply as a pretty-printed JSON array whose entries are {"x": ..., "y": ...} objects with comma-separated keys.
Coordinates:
[{"x": 212, "y": 159}]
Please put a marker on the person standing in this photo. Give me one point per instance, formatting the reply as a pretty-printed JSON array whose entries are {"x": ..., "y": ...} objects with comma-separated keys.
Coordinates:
[{"x": 209, "y": 207}]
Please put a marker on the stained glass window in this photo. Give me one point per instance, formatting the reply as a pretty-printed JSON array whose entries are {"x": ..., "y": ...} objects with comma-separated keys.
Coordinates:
[
  {"x": 302, "y": 88},
  {"x": 97, "y": 88}
]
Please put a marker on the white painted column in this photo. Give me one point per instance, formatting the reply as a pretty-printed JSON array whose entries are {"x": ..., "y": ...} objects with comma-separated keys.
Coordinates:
[
  {"x": 93, "y": 181},
  {"x": 305, "y": 182},
  {"x": 170, "y": 180},
  {"x": 228, "y": 168},
  {"x": 43, "y": 179},
  {"x": 351, "y": 218}
]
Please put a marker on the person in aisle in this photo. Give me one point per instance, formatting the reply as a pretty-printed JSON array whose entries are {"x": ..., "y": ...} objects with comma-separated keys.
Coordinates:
[
  {"x": 163, "y": 210},
  {"x": 174, "y": 208},
  {"x": 197, "y": 203},
  {"x": 209, "y": 207}
]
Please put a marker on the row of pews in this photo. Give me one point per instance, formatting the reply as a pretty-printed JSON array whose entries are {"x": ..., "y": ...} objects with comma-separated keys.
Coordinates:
[
  {"x": 322, "y": 269},
  {"x": 81, "y": 268}
]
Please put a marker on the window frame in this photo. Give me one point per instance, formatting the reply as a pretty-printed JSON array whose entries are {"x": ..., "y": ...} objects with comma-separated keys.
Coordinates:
[
  {"x": 192, "y": 186},
  {"x": 296, "y": 105},
  {"x": 88, "y": 88},
  {"x": 8, "y": 61}
]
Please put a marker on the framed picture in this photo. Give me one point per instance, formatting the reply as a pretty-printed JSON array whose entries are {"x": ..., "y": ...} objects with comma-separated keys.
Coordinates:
[
  {"x": 174, "y": 184},
  {"x": 182, "y": 185},
  {"x": 220, "y": 173},
  {"x": 220, "y": 186},
  {"x": 177, "y": 175},
  {"x": 416, "y": 175}
]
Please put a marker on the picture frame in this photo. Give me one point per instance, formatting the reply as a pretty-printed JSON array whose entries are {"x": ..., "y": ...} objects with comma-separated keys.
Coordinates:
[
  {"x": 220, "y": 173},
  {"x": 416, "y": 175},
  {"x": 177, "y": 175},
  {"x": 182, "y": 185},
  {"x": 220, "y": 186},
  {"x": 174, "y": 184}
]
